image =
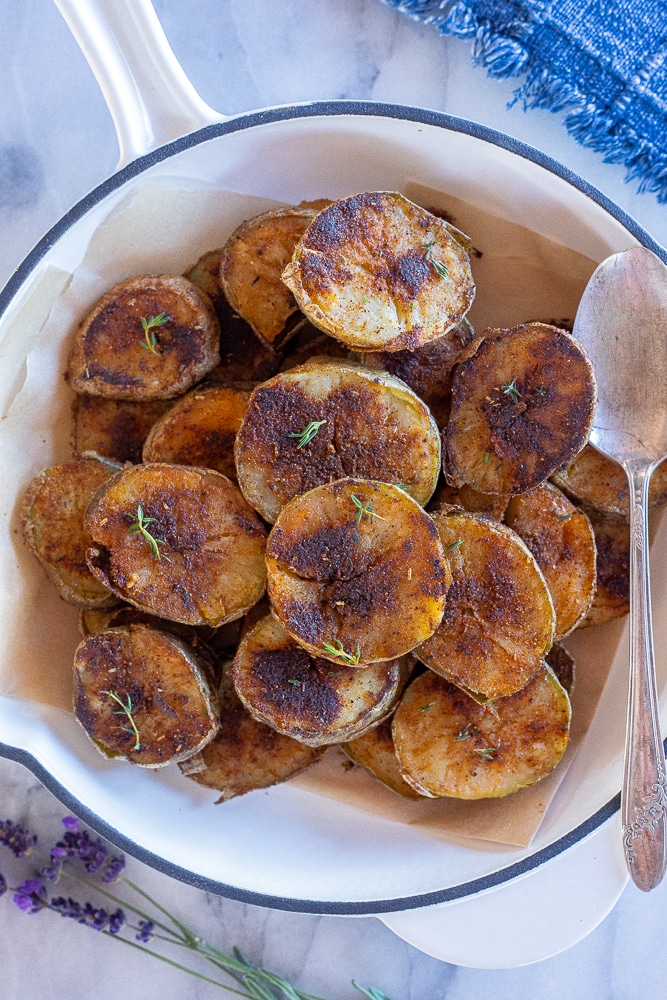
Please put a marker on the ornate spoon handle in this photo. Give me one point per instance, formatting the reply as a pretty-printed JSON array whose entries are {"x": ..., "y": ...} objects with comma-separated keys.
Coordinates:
[{"x": 644, "y": 794}]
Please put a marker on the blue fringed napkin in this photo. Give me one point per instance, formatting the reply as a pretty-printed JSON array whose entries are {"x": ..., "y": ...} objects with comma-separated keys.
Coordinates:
[{"x": 601, "y": 62}]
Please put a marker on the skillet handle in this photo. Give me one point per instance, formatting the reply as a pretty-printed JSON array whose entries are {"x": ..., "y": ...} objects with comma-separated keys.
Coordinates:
[{"x": 150, "y": 99}]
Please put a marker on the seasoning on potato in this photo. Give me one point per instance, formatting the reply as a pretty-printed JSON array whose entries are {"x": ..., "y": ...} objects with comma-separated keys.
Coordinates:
[
  {"x": 328, "y": 419},
  {"x": 379, "y": 273},
  {"x": 151, "y": 337},
  {"x": 178, "y": 542},
  {"x": 356, "y": 572}
]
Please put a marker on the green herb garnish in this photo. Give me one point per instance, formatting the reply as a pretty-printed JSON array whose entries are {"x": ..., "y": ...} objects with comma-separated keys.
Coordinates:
[
  {"x": 138, "y": 527},
  {"x": 465, "y": 733},
  {"x": 485, "y": 458},
  {"x": 126, "y": 710},
  {"x": 454, "y": 545},
  {"x": 488, "y": 753},
  {"x": 425, "y": 708},
  {"x": 440, "y": 269},
  {"x": 149, "y": 343},
  {"x": 511, "y": 390},
  {"x": 364, "y": 509},
  {"x": 308, "y": 433},
  {"x": 337, "y": 649},
  {"x": 565, "y": 517}
]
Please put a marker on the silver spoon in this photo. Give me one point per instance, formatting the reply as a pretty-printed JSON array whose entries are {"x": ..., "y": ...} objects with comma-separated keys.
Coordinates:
[{"x": 622, "y": 323}]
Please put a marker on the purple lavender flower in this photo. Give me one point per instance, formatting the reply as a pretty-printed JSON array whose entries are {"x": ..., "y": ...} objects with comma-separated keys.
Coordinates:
[
  {"x": 31, "y": 896},
  {"x": 19, "y": 840},
  {"x": 3, "y": 884},
  {"x": 78, "y": 844},
  {"x": 70, "y": 822},
  {"x": 97, "y": 918},
  {"x": 114, "y": 869},
  {"x": 146, "y": 931}
]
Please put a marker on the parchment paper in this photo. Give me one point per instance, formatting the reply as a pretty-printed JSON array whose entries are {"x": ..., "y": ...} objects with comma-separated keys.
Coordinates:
[{"x": 520, "y": 276}]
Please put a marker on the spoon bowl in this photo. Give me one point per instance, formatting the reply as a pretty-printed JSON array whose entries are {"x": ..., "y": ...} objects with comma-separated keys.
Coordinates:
[{"x": 622, "y": 323}]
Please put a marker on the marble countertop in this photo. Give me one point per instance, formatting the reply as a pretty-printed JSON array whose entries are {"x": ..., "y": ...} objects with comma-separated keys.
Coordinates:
[{"x": 56, "y": 143}]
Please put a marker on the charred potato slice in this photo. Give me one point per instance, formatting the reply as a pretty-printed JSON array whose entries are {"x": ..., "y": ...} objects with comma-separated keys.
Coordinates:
[
  {"x": 469, "y": 499},
  {"x": 306, "y": 697},
  {"x": 448, "y": 745},
  {"x": 612, "y": 587},
  {"x": 243, "y": 356},
  {"x": 113, "y": 428},
  {"x": 522, "y": 407},
  {"x": 600, "y": 484},
  {"x": 245, "y": 754},
  {"x": 200, "y": 429},
  {"x": 427, "y": 369},
  {"x": 143, "y": 696},
  {"x": 52, "y": 524},
  {"x": 329, "y": 419},
  {"x": 151, "y": 337},
  {"x": 499, "y": 618},
  {"x": 178, "y": 542},
  {"x": 251, "y": 265},
  {"x": 562, "y": 663},
  {"x": 378, "y": 272},
  {"x": 356, "y": 572},
  {"x": 561, "y": 538},
  {"x": 375, "y": 751}
]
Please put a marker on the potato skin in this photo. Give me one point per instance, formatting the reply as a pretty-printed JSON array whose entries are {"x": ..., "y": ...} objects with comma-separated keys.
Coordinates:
[
  {"x": 211, "y": 566},
  {"x": 522, "y": 407},
  {"x": 111, "y": 357},
  {"x": 612, "y": 587},
  {"x": 113, "y": 428},
  {"x": 52, "y": 524},
  {"x": 170, "y": 700},
  {"x": 375, "y": 751},
  {"x": 376, "y": 584},
  {"x": 366, "y": 272}
]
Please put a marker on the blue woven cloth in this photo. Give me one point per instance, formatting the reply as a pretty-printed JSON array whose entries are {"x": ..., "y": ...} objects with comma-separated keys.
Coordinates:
[{"x": 601, "y": 63}]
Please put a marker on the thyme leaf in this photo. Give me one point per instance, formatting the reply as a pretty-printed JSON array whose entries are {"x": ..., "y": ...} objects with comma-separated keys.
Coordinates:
[
  {"x": 138, "y": 527},
  {"x": 364, "y": 509},
  {"x": 149, "y": 343},
  {"x": 511, "y": 390},
  {"x": 488, "y": 753},
  {"x": 126, "y": 708},
  {"x": 337, "y": 649},
  {"x": 440, "y": 269},
  {"x": 308, "y": 433}
]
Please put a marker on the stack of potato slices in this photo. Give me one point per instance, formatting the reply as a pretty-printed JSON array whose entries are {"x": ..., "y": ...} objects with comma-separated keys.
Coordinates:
[{"x": 308, "y": 507}]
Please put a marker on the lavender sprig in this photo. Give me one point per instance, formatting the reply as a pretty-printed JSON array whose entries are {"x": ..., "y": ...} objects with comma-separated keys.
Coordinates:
[{"x": 77, "y": 846}]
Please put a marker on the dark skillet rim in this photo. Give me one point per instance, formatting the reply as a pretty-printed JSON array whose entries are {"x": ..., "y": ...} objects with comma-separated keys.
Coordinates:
[{"x": 22, "y": 273}]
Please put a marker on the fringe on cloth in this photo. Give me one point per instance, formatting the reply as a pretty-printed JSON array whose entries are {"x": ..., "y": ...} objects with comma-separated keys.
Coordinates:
[{"x": 506, "y": 46}]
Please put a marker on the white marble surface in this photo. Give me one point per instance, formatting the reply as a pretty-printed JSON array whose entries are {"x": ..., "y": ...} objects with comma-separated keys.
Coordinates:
[{"x": 57, "y": 142}]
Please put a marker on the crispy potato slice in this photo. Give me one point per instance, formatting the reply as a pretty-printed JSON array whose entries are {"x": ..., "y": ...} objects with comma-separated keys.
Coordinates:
[
  {"x": 427, "y": 369},
  {"x": 246, "y": 754},
  {"x": 378, "y": 272},
  {"x": 113, "y": 428},
  {"x": 375, "y": 751},
  {"x": 561, "y": 538},
  {"x": 200, "y": 429},
  {"x": 499, "y": 618},
  {"x": 469, "y": 499},
  {"x": 305, "y": 696},
  {"x": 151, "y": 337},
  {"x": 522, "y": 407},
  {"x": 448, "y": 745},
  {"x": 321, "y": 346},
  {"x": 328, "y": 419},
  {"x": 251, "y": 265},
  {"x": 143, "y": 695},
  {"x": 178, "y": 542},
  {"x": 243, "y": 356},
  {"x": 612, "y": 588},
  {"x": 52, "y": 524},
  {"x": 600, "y": 484},
  {"x": 356, "y": 572},
  {"x": 561, "y": 661}
]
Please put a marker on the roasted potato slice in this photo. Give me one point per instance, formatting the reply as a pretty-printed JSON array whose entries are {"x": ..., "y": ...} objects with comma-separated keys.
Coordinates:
[
  {"x": 356, "y": 572},
  {"x": 448, "y": 745},
  {"x": 251, "y": 265},
  {"x": 561, "y": 538},
  {"x": 151, "y": 337},
  {"x": 243, "y": 356},
  {"x": 143, "y": 695},
  {"x": 499, "y": 618},
  {"x": 305, "y": 696},
  {"x": 52, "y": 524},
  {"x": 467, "y": 498},
  {"x": 113, "y": 428},
  {"x": 612, "y": 587},
  {"x": 522, "y": 407},
  {"x": 320, "y": 346},
  {"x": 561, "y": 661},
  {"x": 246, "y": 754},
  {"x": 378, "y": 272},
  {"x": 329, "y": 419},
  {"x": 427, "y": 369},
  {"x": 599, "y": 483},
  {"x": 375, "y": 751},
  {"x": 200, "y": 429},
  {"x": 178, "y": 542}
]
